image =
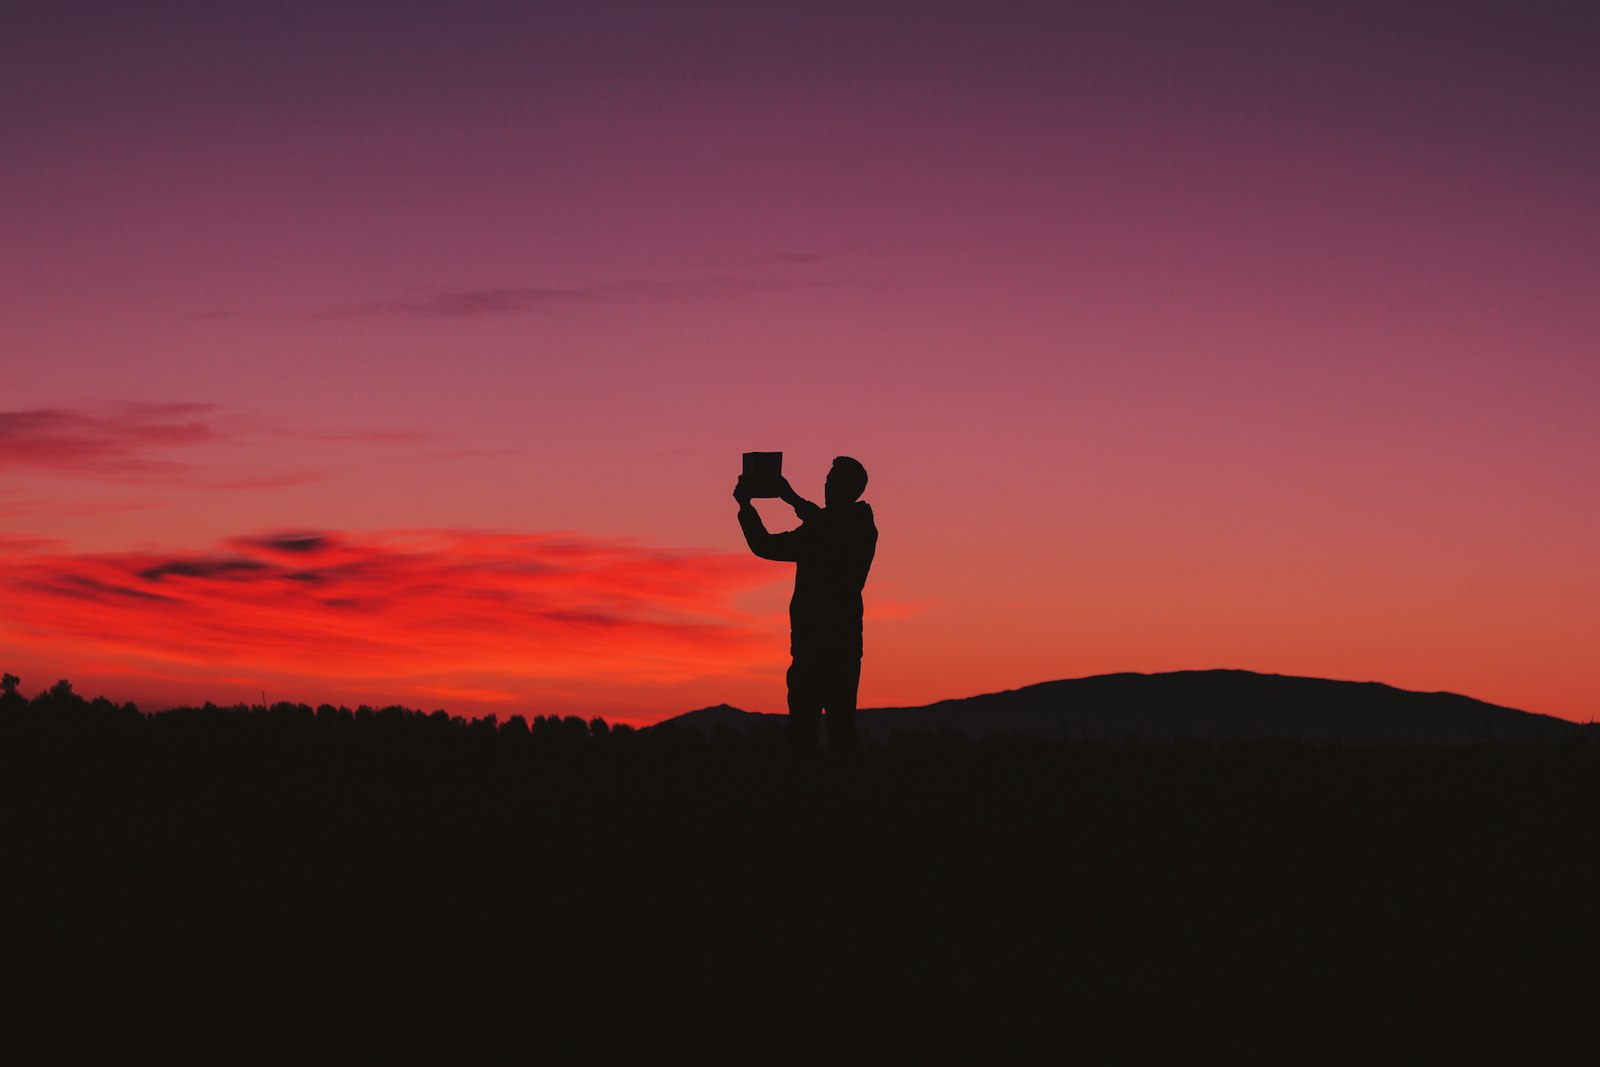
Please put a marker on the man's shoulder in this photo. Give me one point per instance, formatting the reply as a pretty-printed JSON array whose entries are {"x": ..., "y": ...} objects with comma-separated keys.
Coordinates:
[
  {"x": 862, "y": 518},
  {"x": 853, "y": 517}
]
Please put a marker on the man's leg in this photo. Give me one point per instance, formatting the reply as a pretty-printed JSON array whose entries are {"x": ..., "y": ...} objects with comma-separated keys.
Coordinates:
[
  {"x": 805, "y": 707},
  {"x": 844, "y": 680}
]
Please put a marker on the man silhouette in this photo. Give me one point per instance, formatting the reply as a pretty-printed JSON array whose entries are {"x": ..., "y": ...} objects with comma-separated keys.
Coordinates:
[{"x": 832, "y": 549}]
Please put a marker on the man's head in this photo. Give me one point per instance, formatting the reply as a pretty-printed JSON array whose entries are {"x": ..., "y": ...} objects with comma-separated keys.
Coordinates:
[{"x": 847, "y": 480}]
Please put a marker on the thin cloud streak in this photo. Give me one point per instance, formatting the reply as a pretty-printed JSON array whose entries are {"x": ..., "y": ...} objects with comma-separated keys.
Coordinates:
[
  {"x": 151, "y": 445},
  {"x": 268, "y": 480},
  {"x": 445, "y": 302},
  {"x": 784, "y": 259},
  {"x": 382, "y": 437},
  {"x": 116, "y": 442},
  {"x": 438, "y": 302},
  {"x": 292, "y": 542}
]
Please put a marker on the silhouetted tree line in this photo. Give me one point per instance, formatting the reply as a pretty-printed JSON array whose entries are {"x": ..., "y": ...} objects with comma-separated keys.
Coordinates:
[{"x": 60, "y": 707}]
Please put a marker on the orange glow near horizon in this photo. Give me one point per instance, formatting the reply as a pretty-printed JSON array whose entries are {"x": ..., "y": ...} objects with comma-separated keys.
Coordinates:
[{"x": 480, "y": 620}]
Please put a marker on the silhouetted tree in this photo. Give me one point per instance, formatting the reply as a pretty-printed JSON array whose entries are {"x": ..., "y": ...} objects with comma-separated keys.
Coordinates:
[
  {"x": 61, "y": 693},
  {"x": 10, "y": 699}
]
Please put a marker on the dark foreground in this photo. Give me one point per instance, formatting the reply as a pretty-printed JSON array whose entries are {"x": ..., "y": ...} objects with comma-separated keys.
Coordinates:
[{"x": 332, "y": 890}]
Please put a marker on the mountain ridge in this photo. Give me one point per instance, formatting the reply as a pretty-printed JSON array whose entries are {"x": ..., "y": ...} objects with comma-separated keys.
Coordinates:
[{"x": 1220, "y": 704}]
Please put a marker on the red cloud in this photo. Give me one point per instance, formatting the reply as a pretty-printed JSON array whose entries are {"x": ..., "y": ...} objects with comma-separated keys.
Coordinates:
[{"x": 421, "y": 610}]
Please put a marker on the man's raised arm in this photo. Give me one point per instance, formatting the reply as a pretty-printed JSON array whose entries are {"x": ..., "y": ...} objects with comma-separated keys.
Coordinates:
[{"x": 782, "y": 547}]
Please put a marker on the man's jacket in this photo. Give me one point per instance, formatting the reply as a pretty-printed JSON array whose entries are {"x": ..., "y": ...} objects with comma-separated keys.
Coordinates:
[{"x": 832, "y": 550}]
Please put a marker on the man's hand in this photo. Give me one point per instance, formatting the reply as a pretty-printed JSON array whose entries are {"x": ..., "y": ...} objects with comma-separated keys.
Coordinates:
[
  {"x": 741, "y": 493},
  {"x": 802, "y": 507}
]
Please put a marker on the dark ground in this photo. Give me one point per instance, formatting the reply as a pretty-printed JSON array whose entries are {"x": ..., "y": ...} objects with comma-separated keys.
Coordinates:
[{"x": 341, "y": 886}]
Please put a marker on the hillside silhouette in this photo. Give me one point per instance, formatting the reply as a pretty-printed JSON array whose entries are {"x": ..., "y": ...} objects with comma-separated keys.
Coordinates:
[
  {"x": 1219, "y": 705},
  {"x": 202, "y": 864}
]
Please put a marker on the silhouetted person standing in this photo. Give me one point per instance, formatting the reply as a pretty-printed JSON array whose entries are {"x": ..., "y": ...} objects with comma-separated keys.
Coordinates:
[{"x": 832, "y": 549}]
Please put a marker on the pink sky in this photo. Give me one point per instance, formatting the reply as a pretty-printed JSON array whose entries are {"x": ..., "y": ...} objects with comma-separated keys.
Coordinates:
[{"x": 1249, "y": 338}]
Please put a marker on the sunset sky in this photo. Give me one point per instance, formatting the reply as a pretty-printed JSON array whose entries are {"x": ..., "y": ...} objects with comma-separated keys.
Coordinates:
[{"x": 405, "y": 352}]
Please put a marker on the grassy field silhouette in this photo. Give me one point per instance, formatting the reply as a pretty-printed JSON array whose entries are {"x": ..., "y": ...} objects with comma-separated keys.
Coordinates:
[{"x": 341, "y": 853}]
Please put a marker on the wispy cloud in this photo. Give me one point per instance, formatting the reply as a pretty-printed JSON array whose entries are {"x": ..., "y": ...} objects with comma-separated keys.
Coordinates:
[
  {"x": 290, "y": 542},
  {"x": 266, "y": 479},
  {"x": 123, "y": 440},
  {"x": 749, "y": 274},
  {"x": 439, "y": 302},
  {"x": 423, "y": 606},
  {"x": 16, "y": 544},
  {"x": 382, "y": 437},
  {"x": 165, "y": 445},
  {"x": 783, "y": 259}
]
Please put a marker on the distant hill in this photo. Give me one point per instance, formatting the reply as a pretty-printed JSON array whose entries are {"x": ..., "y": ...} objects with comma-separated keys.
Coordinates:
[{"x": 1215, "y": 705}]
